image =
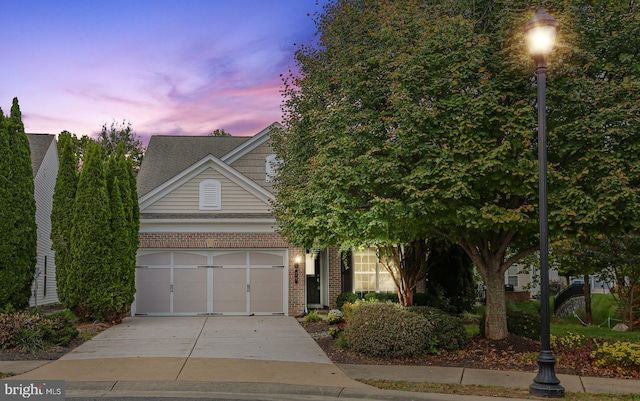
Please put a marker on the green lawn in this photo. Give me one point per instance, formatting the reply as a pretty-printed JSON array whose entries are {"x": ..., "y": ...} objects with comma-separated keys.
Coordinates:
[{"x": 603, "y": 307}]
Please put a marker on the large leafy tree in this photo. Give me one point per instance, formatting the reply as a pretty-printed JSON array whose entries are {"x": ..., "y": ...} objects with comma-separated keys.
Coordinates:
[
  {"x": 62, "y": 211},
  {"x": 18, "y": 236},
  {"x": 408, "y": 119},
  {"x": 121, "y": 134}
]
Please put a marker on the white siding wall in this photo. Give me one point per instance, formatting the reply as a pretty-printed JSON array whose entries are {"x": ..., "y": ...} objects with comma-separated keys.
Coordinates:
[
  {"x": 45, "y": 182},
  {"x": 185, "y": 199}
]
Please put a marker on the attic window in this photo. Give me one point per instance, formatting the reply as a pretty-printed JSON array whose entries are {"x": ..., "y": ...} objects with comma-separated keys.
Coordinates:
[
  {"x": 272, "y": 168},
  {"x": 210, "y": 195}
]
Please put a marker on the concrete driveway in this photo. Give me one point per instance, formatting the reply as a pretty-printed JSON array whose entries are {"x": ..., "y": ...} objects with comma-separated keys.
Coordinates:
[
  {"x": 269, "y": 338},
  {"x": 153, "y": 350}
]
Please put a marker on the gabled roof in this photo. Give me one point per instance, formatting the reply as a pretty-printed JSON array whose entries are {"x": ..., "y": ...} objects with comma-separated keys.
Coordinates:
[
  {"x": 39, "y": 144},
  {"x": 169, "y": 156},
  {"x": 209, "y": 161}
]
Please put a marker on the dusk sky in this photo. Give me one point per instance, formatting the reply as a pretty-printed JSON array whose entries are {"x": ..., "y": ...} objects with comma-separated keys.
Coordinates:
[{"x": 168, "y": 67}]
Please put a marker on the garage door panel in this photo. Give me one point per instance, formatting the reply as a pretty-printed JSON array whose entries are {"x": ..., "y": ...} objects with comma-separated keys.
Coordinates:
[
  {"x": 189, "y": 290},
  {"x": 230, "y": 259},
  {"x": 266, "y": 259},
  {"x": 153, "y": 290},
  {"x": 189, "y": 259},
  {"x": 154, "y": 259},
  {"x": 267, "y": 290},
  {"x": 229, "y": 290}
]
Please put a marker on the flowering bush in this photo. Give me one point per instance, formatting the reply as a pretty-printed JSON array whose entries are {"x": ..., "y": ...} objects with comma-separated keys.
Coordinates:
[
  {"x": 335, "y": 331},
  {"x": 573, "y": 348},
  {"x": 334, "y": 316},
  {"x": 618, "y": 354}
]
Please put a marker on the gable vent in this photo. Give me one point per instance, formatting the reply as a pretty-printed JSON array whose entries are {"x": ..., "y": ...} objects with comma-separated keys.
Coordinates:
[{"x": 210, "y": 195}]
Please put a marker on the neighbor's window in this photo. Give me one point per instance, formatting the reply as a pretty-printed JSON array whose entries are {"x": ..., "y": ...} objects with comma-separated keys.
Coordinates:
[
  {"x": 512, "y": 275},
  {"x": 369, "y": 275},
  {"x": 210, "y": 195}
]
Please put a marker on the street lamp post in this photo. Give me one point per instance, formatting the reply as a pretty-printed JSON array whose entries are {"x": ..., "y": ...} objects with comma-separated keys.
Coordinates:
[{"x": 540, "y": 33}]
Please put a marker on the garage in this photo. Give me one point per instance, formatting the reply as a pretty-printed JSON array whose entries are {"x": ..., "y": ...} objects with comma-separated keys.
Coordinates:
[{"x": 206, "y": 282}]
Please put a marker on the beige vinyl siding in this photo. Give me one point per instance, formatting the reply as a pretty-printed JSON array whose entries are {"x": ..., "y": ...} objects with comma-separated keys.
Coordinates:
[
  {"x": 185, "y": 199},
  {"x": 253, "y": 165},
  {"x": 44, "y": 183}
]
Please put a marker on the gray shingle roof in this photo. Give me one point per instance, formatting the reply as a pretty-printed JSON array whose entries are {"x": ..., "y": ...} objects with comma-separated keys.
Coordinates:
[
  {"x": 166, "y": 156},
  {"x": 39, "y": 144}
]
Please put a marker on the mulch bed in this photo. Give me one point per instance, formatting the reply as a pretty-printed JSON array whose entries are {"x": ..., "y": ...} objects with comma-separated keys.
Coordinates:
[
  {"x": 56, "y": 351},
  {"x": 513, "y": 353}
]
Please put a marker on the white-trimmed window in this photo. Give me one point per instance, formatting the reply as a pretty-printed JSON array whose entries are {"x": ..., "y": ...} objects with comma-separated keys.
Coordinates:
[
  {"x": 369, "y": 275},
  {"x": 271, "y": 167},
  {"x": 512, "y": 275},
  {"x": 210, "y": 195}
]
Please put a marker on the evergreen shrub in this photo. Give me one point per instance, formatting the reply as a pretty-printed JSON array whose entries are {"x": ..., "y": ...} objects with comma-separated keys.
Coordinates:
[
  {"x": 382, "y": 297},
  {"x": 448, "y": 329},
  {"x": 385, "y": 330},
  {"x": 346, "y": 297}
]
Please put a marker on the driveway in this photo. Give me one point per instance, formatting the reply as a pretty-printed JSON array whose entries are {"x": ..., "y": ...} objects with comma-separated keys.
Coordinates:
[
  {"x": 269, "y": 338},
  {"x": 174, "y": 353}
]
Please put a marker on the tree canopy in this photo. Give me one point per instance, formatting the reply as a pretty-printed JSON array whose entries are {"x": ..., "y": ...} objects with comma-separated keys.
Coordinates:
[
  {"x": 111, "y": 137},
  {"x": 410, "y": 119}
]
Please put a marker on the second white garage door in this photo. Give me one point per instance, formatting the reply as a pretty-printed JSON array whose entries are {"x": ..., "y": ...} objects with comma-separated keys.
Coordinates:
[{"x": 230, "y": 282}]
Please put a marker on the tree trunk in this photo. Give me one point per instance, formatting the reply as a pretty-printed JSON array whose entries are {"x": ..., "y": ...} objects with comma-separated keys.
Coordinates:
[
  {"x": 587, "y": 300},
  {"x": 496, "y": 312}
]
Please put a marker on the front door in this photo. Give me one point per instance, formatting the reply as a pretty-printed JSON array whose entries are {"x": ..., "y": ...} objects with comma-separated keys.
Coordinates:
[{"x": 313, "y": 283}]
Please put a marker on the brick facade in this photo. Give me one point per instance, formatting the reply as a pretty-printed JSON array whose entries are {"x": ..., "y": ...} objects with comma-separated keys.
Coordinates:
[
  {"x": 212, "y": 240},
  {"x": 335, "y": 276}
]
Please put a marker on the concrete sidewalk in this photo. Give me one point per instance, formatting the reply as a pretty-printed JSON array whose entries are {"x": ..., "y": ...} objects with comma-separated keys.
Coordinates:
[{"x": 270, "y": 356}]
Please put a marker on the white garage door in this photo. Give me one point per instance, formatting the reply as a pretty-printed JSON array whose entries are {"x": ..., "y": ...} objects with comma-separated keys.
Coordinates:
[{"x": 230, "y": 282}]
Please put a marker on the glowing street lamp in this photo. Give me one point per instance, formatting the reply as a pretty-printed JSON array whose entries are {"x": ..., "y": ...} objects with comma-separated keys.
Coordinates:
[{"x": 540, "y": 33}]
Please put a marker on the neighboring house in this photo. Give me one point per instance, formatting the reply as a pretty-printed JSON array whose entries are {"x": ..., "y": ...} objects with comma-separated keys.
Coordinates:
[{"x": 44, "y": 161}]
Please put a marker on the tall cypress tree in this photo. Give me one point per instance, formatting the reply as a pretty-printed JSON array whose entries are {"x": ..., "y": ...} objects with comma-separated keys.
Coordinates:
[
  {"x": 62, "y": 212},
  {"x": 6, "y": 247},
  {"x": 123, "y": 264},
  {"x": 17, "y": 265},
  {"x": 91, "y": 240}
]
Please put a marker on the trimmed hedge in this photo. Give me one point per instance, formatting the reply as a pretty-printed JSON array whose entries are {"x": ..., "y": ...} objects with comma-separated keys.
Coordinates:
[
  {"x": 448, "y": 329},
  {"x": 385, "y": 330},
  {"x": 382, "y": 297}
]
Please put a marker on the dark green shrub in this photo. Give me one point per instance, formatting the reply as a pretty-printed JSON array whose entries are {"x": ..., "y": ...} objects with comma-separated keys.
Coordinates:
[
  {"x": 519, "y": 323},
  {"x": 420, "y": 299},
  {"x": 449, "y": 283},
  {"x": 384, "y": 330},
  {"x": 447, "y": 329},
  {"x": 59, "y": 329},
  {"x": 345, "y": 297},
  {"x": 382, "y": 297}
]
